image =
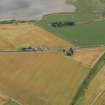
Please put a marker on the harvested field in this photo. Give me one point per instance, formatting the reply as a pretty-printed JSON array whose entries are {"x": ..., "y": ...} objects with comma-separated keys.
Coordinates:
[
  {"x": 5, "y": 45},
  {"x": 101, "y": 99},
  {"x": 96, "y": 89},
  {"x": 95, "y": 94},
  {"x": 80, "y": 95},
  {"x": 40, "y": 78},
  {"x": 87, "y": 56},
  {"x": 23, "y": 35}
]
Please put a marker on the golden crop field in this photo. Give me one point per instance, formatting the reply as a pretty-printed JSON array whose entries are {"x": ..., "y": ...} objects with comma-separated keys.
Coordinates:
[
  {"x": 23, "y": 35},
  {"x": 95, "y": 94},
  {"x": 40, "y": 78},
  {"x": 101, "y": 99},
  {"x": 87, "y": 56}
]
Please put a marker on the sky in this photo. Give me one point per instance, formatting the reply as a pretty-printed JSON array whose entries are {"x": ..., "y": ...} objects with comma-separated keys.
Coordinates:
[{"x": 31, "y": 9}]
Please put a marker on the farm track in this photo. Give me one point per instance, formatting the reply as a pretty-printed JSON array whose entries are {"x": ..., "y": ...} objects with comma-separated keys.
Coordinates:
[
  {"x": 56, "y": 49},
  {"x": 84, "y": 85}
]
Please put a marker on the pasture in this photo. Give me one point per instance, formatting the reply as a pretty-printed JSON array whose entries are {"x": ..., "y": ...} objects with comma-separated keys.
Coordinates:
[
  {"x": 14, "y": 36},
  {"x": 82, "y": 34},
  {"x": 40, "y": 78},
  {"x": 89, "y": 18}
]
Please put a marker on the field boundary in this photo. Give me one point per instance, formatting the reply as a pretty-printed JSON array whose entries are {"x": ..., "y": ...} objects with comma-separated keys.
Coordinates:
[
  {"x": 97, "y": 59},
  {"x": 85, "y": 83}
]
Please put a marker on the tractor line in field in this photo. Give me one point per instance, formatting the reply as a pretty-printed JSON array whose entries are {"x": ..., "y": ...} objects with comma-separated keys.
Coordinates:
[{"x": 97, "y": 97}]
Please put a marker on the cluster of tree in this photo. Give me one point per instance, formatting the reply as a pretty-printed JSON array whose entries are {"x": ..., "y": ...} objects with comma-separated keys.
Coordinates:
[
  {"x": 62, "y": 24},
  {"x": 68, "y": 52}
]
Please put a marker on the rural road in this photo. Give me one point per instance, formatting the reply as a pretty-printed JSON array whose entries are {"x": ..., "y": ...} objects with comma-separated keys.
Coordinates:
[{"x": 76, "y": 49}]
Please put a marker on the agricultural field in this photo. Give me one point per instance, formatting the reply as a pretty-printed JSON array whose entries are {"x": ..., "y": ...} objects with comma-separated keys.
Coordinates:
[
  {"x": 86, "y": 7},
  {"x": 88, "y": 57},
  {"x": 101, "y": 99},
  {"x": 85, "y": 90},
  {"x": 3, "y": 100},
  {"x": 6, "y": 100},
  {"x": 52, "y": 77},
  {"x": 95, "y": 94},
  {"x": 11, "y": 102},
  {"x": 14, "y": 36},
  {"x": 82, "y": 34},
  {"x": 89, "y": 24},
  {"x": 40, "y": 78}
]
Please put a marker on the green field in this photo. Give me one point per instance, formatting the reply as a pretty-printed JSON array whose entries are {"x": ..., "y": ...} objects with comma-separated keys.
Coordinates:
[
  {"x": 89, "y": 19},
  {"x": 83, "y": 35}
]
